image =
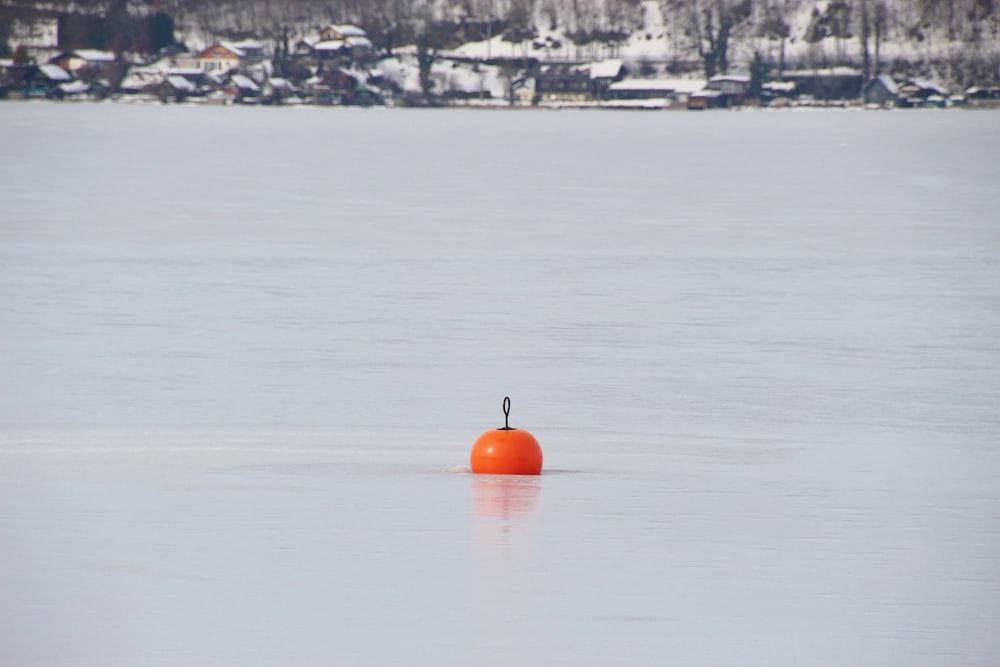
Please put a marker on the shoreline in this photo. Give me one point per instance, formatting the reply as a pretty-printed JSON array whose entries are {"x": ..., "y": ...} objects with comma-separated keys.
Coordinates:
[{"x": 833, "y": 105}]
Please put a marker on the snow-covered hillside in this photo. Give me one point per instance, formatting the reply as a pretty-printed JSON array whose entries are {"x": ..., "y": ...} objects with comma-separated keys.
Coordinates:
[{"x": 957, "y": 41}]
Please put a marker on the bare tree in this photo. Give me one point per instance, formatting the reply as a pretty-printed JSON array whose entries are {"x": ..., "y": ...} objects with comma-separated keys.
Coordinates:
[
  {"x": 879, "y": 21},
  {"x": 864, "y": 35},
  {"x": 711, "y": 24}
]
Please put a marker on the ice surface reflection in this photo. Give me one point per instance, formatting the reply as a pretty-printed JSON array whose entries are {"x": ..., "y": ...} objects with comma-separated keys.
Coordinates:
[
  {"x": 507, "y": 497},
  {"x": 505, "y": 516},
  {"x": 765, "y": 343}
]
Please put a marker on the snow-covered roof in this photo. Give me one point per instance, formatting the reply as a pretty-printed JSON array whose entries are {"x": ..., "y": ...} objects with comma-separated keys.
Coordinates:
[
  {"x": 924, "y": 84},
  {"x": 248, "y": 44},
  {"x": 280, "y": 83},
  {"x": 54, "y": 73},
  {"x": 706, "y": 93},
  {"x": 582, "y": 69},
  {"x": 739, "y": 78},
  {"x": 74, "y": 87},
  {"x": 95, "y": 56},
  {"x": 180, "y": 83},
  {"x": 690, "y": 85},
  {"x": 329, "y": 45},
  {"x": 358, "y": 42},
  {"x": 888, "y": 83},
  {"x": 972, "y": 90},
  {"x": 665, "y": 85},
  {"x": 823, "y": 71},
  {"x": 606, "y": 69},
  {"x": 233, "y": 48},
  {"x": 140, "y": 77},
  {"x": 779, "y": 86},
  {"x": 244, "y": 82},
  {"x": 185, "y": 71},
  {"x": 654, "y": 103},
  {"x": 349, "y": 30}
]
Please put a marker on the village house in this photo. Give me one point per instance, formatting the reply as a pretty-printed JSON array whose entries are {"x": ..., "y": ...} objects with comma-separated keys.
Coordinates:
[
  {"x": 71, "y": 90},
  {"x": 179, "y": 88},
  {"x": 168, "y": 82},
  {"x": 705, "y": 99},
  {"x": 563, "y": 82},
  {"x": 277, "y": 90},
  {"x": 651, "y": 92},
  {"x": 44, "y": 80},
  {"x": 243, "y": 89},
  {"x": 336, "y": 41},
  {"x": 982, "y": 96},
  {"x": 922, "y": 93},
  {"x": 97, "y": 68},
  {"x": 732, "y": 90},
  {"x": 225, "y": 56},
  {"x": 336, "y": 85},
  {"x": 352, "y": 35},
  {"x": 75, "y": 61},
  {"x": 604, "y": 73},
  {"x": 777, "y": 93},
  {"x": 881, "y": 90},
  {"x": 576, "y": 83},
  {"x": 830, "y": 83}
]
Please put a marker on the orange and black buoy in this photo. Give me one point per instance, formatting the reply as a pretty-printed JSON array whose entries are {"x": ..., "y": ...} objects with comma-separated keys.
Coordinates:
[{"x": 506, "y": 451}]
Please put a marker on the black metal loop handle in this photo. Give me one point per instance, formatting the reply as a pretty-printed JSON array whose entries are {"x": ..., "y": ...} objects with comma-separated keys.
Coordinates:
[{"x": 506, "y": 414}]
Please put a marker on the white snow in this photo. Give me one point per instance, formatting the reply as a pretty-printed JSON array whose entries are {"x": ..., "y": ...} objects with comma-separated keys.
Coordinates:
[
  {"x": 74, "y": 87},
  {"x": 348, "y": 30},
  {"x": 94, "y": 55},
  {"x": 606, "y": 69},
  {"x": 329, "y": 45},
  {"x": 244, "y": 82},
  {"x": 54, "y": 72},
  {"x": 180, "y": 83}
]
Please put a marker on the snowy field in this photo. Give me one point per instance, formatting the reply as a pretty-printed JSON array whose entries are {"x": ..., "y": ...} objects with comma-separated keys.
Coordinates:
[{"x": 245, "y": 353}]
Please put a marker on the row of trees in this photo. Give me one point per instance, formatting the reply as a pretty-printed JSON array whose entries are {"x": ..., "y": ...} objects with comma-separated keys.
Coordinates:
[{"x": 960, "y": 27}]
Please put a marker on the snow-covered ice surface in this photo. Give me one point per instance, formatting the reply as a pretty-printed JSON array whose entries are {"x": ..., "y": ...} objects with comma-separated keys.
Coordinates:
[{"x": 245, "y": 353}]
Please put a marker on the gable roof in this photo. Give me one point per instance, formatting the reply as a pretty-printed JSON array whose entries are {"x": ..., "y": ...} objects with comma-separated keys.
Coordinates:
[
  {"x": 347, "y": 30},
  {"x": 358, "y": 42},
  {"x": 178, "y": 82},
  {"x": 887, "y": 83},
  {"x": 54, "y": 73},
  {"x": 925, "y": 84},
  {"x": 244, "y": 82},
  {"x": 227, "y": 46},
  {"x": 329, "y": 45},
  {"x": 94, "y": 56}
]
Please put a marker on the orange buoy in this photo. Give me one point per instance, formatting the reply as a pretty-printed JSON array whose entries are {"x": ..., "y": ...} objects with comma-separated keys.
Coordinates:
[{"x": 506, "y": 450}]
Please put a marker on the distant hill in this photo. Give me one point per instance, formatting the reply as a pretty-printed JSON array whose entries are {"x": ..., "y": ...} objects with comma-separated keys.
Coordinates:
[{"x": 954, "y": 41}]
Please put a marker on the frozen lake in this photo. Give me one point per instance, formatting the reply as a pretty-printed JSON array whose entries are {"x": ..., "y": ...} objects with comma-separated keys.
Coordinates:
[{"x": 245, "y": 353}]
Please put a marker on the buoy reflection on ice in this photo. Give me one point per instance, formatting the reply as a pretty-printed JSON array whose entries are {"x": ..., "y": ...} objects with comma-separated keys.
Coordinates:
[
  {"x": 505, "y": 509},
  {"x": 505, "y": 497}
]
